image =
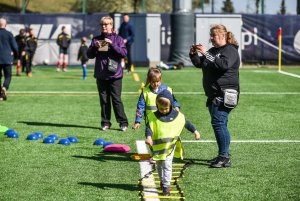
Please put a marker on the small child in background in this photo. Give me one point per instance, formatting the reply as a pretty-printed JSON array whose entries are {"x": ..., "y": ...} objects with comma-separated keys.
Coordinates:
[
  {"x": 165, "y": 66},
  {"x": 146, "y": 103},
  {"x": 163, "y": 129},
  {"x": 82, "y": 56},
  {"x": 30, "y": 48}
]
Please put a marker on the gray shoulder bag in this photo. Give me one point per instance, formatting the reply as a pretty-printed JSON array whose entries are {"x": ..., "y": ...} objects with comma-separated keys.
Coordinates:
[
  {"x": 230, "y": 98},
  {"x": 112, "y": 65}
]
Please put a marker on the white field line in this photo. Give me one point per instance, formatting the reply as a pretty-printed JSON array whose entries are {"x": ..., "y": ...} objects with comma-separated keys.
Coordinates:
[
  {"x": 146, "y": 168},
  {"x": 246, "y": 141},
  {"x": 290, "y": 74},
  {"x": 131, "y": 92}
]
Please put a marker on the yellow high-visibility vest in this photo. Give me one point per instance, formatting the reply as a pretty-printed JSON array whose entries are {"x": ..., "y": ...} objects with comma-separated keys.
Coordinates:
[
  {"x": 166, "y": 136},
  {"x": 150, "y": 100}
]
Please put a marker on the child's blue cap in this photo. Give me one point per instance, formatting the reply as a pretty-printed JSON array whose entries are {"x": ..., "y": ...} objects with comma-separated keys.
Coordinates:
[{"x": 165, "y": 94}]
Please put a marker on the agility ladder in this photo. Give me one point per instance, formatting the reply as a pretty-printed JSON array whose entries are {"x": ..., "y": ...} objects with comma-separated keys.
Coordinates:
[{"x": 176, "y": 191}]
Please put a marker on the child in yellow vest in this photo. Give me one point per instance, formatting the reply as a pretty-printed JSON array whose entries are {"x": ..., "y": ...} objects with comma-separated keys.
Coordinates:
[
  {"x": 163, "y": 130},
  {"x": 146, "y": 103}
]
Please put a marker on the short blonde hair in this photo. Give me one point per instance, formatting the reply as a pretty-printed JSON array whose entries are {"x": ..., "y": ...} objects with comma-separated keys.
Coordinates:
[{"x": 107, "y": 19}]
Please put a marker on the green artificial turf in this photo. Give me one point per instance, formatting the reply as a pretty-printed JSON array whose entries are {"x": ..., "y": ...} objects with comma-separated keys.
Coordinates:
[{"x": 62, "y": 103}]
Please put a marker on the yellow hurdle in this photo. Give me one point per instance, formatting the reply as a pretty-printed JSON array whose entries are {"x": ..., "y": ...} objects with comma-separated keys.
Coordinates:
[
  {"x": 157, "y": 187},
  {"x": 172, "y": 172},
  {"x": 136, "y": 77},
  {"x": 162, "y": 197},
  {"x": 178, "y": 164},
  {"x": 132, "y": 68}
]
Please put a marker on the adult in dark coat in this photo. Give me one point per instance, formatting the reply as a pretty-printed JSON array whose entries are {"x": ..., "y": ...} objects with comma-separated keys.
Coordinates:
[
  {"x": 220, "y": 66},
  {"x": 127, "y": 33},
  {"x": 8, "y": 47},
  {"x": 108, "y": 48}
]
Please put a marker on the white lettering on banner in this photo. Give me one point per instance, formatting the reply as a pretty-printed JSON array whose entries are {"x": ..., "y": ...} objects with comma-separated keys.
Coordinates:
[
  {"x": 42, "y": 31},
  {"x": 257, "y": 38},
  {"x": 165, "y": 36},
  {"x": 45, "y": 31},
  {"x": 36, "y": 29},
  {"x": 248, "y": 35},
  {"x": 15, "y": 28}
]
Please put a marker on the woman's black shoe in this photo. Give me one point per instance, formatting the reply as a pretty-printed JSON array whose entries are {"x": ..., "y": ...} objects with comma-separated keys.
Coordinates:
[
  {"x": 213, "y": 160},
  {"x": 221, "y": 162}
]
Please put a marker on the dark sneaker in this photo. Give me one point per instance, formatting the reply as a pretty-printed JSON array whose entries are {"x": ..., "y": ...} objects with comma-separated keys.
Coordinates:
[
  {"x": 212, "y": 160},
  {"x": 221, "y": 162},
  {"x": 104, "y": 127},
  {"x": 161, "y": 186},
  {"x": 166, "y": 191},
  {"x": 4, "y": 93}
]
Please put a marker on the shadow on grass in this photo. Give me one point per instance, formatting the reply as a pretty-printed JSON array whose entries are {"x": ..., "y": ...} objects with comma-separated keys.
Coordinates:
[
  {"x": 107, "y": 186},
  {"x": 31, "y": 123},
  {"x": 198, "y": 161},
  {"x": 103, "y": 157}
]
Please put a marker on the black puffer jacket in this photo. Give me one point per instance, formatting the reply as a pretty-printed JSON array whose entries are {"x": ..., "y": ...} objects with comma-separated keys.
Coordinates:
[
  {"x": 63, "y": 40},
  {"x": 220, "y": 67}
]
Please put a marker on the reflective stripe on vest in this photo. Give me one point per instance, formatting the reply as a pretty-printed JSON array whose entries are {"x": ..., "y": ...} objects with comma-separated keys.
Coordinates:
[
  {"x": 166, "y": 136},
  {"x": 150, "y": 100}
]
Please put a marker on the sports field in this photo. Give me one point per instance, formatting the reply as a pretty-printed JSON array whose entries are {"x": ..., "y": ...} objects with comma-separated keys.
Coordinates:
[{"x": 265, "y": 131}]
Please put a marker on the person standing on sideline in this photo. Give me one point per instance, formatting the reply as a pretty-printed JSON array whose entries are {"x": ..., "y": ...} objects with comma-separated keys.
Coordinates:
[
  {"x": 127, "y": 33},
  {"x": 21, "y": 42},
  {"x": 30, "y": 48},
  {"x": 8, "y": 45},
  {"x": 108, "y": 48},
  {"x": 63, "y": 41},
  {"x": 220, "y": 66},
  {"x": 163, "y": 135},
  {"x": 82, "y": 56}
]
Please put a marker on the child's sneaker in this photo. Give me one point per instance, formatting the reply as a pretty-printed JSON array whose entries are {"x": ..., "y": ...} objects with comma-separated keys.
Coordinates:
[
  {"x": 166, "y": 191},
  {"x": 58, "y": 70},
  {"x": 151, "y": 161}
]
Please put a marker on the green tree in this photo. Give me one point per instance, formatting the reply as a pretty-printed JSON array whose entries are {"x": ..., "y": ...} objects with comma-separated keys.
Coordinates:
[
  {"x": 282, "y": 8},
  {"x": 19, "y": 4},
  {"x": 228, "y": 6},
  {"x": 199, "y": 4},
  {"x": 257, "y": 6},
  {"x": 124, "y": 6}
]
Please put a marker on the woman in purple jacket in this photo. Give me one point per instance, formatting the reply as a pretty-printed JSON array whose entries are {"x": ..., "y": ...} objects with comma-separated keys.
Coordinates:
[{"x": 108, "y": 48}]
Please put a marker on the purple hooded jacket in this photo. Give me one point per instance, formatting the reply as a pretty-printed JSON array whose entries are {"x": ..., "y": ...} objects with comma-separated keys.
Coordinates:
[{"x": 116, "y": 51}]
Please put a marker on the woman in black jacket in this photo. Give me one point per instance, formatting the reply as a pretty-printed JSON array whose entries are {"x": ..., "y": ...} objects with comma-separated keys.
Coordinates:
[{"x": 220, "y": 67}]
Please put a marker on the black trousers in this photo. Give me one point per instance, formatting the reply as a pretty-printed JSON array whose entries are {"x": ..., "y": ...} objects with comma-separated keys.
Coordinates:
[
  {"x": 6, "y": 69},
  {"x": 110, "y": 94},
  {"x": 29, "y": 58},
  {"x": 129, "y": 61}
]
